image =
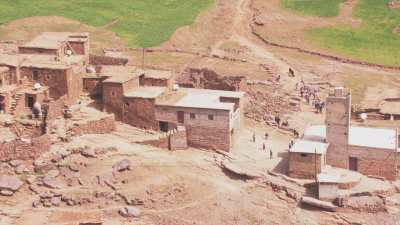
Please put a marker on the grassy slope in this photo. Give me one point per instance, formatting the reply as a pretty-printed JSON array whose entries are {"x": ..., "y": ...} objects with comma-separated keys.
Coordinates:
[
  {"x": 372, "y": 42},
  {"x": 142, "y": 23},
  {"x": 323, "y": 8}
]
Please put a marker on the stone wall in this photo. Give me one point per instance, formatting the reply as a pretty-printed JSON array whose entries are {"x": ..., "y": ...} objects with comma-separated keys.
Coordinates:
[
  {"x": 147, "y": 81},
  {"x": 56, "y": 80},
  {"x": 93, "y": 85},
  {"x": 113, "y": 98},
  {"x": 24, "y": 149},
  {"x": 140, "y": 112},
  {"x": 374, "y": 161},
  {"x": 201, "y": 130},
  {"x": 37, "y": 51},
  {"x": 178, "y": 139},
  {"x": 101, "y": 126},
  {"x": 209, "y": 79},
  {"x": 302, "y": 165},
  {"x": 175, "y": 139},
  {"x": 56, "y": 108},
  {"x": 107, "y": 60}
]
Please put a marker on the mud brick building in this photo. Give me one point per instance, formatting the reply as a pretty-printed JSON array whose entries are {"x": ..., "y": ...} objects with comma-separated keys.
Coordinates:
[
  {"x": 56, "y": 61},
  {"x": 307, "y": 158},
  {"x": 367, "y": 150},
  {"x": 149, "y": 99}
]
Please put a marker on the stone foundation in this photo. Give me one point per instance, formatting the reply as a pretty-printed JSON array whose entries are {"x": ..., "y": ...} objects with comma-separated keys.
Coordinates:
[
  {"x": 24, "y": 149},
  {"x": 102, "y": 126}
]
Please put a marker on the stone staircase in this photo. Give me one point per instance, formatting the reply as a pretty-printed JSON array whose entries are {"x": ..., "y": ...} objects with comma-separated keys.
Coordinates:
[{"x": 14, "y": 103}]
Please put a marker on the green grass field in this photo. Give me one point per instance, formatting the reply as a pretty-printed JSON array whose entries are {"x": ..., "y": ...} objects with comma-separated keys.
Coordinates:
[
  {"x": 322, "y": 8},
  {"x": 142, "y": 23},
  {"x": 374, "y": 41}
]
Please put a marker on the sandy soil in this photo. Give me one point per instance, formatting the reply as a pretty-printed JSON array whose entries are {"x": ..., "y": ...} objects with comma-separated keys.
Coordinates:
[{"x": 189, "y": 187}]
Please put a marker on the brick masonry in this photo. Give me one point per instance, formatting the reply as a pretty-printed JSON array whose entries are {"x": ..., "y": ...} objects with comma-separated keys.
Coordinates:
[
  {"x": 100, "y": 126},
  {"x": 24, "y": 150},
  {"x": 305, "y": 166}
]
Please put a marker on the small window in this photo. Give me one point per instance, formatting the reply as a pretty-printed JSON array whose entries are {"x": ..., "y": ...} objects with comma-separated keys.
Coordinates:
[
  {"x": 127, "y": 104},
  {"x": 113, "y": 93},
  {"x": 192, "y": 116},
  {"x": 211, "y": 117},
  {"x": 303, "y": 155},
  {"x": 35, "y": 75}
]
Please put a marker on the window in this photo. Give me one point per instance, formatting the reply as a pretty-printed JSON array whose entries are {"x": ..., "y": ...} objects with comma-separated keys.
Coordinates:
[
  {"x": 113, "y": 93},
  {"x": 35, "y": 75},
  {"x": 192, "y": 116},
  {"x": 211, "y": 117},
  {"x": 303, "y": 155}
]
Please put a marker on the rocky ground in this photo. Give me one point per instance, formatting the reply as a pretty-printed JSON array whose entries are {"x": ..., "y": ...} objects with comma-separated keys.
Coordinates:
[{"x": 110, "y": 179}]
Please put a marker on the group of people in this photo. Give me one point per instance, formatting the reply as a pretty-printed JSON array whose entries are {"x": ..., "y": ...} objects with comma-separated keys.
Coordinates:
[
  {"x": 264, "y": 146},
  {"x": 311, "y": 96}
]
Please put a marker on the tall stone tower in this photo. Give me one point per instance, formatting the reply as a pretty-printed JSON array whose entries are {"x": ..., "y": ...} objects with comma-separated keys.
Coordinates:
[{"x": 337, "y": 120}]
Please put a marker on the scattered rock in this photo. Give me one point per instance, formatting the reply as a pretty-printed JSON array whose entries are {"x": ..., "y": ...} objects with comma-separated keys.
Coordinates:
[
  {"x": 10, "y": 183},
  {"x": 51, "y": 182},
  {"x": 53, "y": 173},
  {"x": 15, "y": 163},
  {"x": 129, "y": 211},
  {"x": 88, "y": 152},
  {"x": 74, "y": 167},
  {"x": 122, "y": 165},
  {"x": 36, "y": 204},
  {"x": 30, "y": 179},
  {"x": 6, "y": 193},
  {"x": 56, "y": 201},
  {"x": 21, "y": 169}
]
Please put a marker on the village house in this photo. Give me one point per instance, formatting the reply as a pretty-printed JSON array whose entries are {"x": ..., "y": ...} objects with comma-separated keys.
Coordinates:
[
  {"x": 367, "y": 150},
  {"x": 47, "y": 69},
  {"x": 149, "y": 99}
]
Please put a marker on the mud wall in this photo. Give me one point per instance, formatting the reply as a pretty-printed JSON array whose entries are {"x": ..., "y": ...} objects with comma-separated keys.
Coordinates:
[
  {"x": 101, "y": 126},
  {"x": 24, "y": 149},
  {"x": 107, "y": 60},
  {"x": 209, "y": 79}
]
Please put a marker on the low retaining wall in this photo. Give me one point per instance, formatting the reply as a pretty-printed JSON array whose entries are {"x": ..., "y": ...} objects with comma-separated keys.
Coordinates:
[
  {"x": 24, "y": 149},
  {"x": 107, "y": 60},
  {"x": 173, "y": 140},
  {"x": 101, "y": 126}
]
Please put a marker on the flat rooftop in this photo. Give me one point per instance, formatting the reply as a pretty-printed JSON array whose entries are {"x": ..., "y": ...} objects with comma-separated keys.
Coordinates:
[
  {"x": 309, "y": 147},
  {"x": 360, "y": 136},
  {"x": 10, "y": 60},
  {"x": 53, "y": 40},
  {"x": 4, "y": 69},
  {"x": 119, "y": 74},
  {"x": 146, "y": 92},
  {"x": 157, "y": 74},
  {"x": 200, "y": 98},
  {"x": 372, "y": 137}
]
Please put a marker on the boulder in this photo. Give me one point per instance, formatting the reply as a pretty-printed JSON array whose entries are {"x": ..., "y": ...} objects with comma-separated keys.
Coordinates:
[
  {"x": 56, "y": 201},
  {"x": 16, "y": 162},
  {"x": 122, "y": 165},
  {"x": 6, "y": 193},
  {"x": 129, "y": 211},
  {"x": 53, "y": 173},
  {"x": 10, "y": 183},
  {"x": 51, "y": 182},
  {"x": 21, "y": 169},
  {"x": 88, "y": 152}
]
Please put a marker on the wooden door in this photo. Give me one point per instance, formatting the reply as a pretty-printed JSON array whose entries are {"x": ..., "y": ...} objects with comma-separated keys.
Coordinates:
[
  {"x": 353, "y": 164},
  {"x": 181, "y": 116}
]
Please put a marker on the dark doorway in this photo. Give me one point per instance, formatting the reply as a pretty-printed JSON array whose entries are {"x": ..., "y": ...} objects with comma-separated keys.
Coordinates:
[
  {"x": 2, "y": 103},
  {"x": 163, "y": 126},
  {"x": 181, "y": 117},
  {"x": 353, "y": 164},
  {"x": 30, "y": 101}
]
